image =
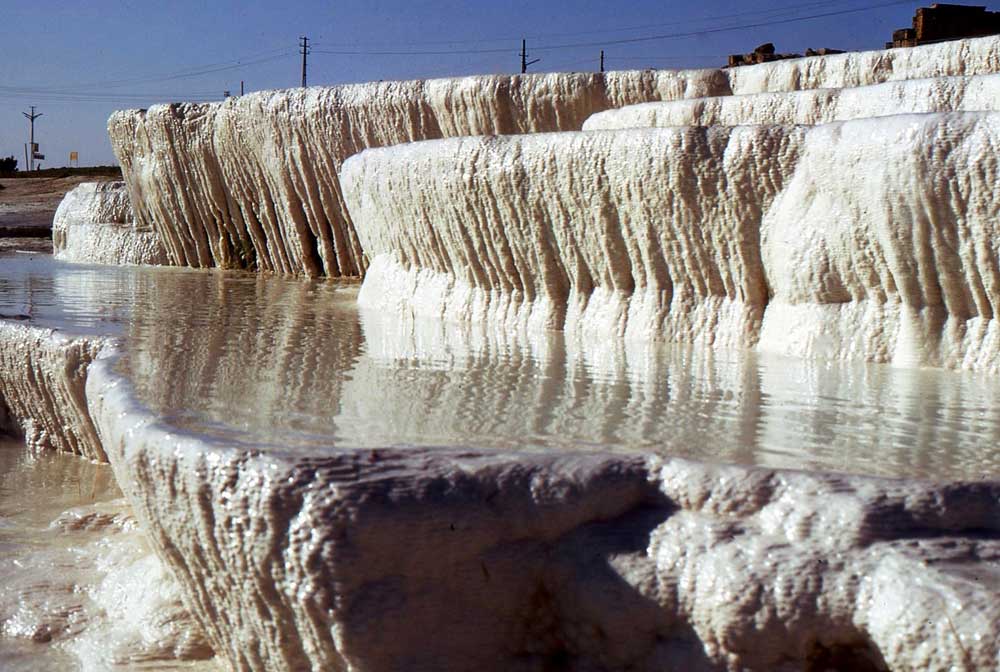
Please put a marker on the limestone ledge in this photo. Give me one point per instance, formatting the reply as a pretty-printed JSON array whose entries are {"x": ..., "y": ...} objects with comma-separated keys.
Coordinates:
[
  {"x": 977, "y": 93},
  {"x": 976, "y": 56},
  {"x": 868, "y": 239},
  {"x": 94, "y": 224},
  {"x": 109, "y": 602},
  {"x": 347, "y": 559},
  {"x": 252, "y": 182},
  {"x": 42, "y": 397}
]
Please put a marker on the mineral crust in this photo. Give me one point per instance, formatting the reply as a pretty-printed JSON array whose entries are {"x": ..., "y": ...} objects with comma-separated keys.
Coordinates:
[
  {"x": 42, "y": 398},
  {"x": 847, "y": 240},
  {"x": 252, "y": 182},
  {"x": 812, "y": 106},
  {"x": 94, "y": 224},
  {"x": 347, "y": 559},
  {"x": 871, "y": 238}
]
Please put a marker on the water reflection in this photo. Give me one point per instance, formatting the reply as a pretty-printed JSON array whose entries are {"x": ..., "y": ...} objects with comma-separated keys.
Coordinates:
[{"x": 294, "y": 364}]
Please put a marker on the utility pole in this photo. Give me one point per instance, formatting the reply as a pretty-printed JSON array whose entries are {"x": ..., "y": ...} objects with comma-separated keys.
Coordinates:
[
  {"x": 304, "y": 46},
  {"x": 602, "y": 60},
  {"x": 33, "y": 149},
  {"x": 241, "y": 84},
  {"x": 524, "y": 57}
]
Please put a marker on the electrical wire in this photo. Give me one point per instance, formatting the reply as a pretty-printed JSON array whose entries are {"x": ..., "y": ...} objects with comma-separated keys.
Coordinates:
[
  {"x": 763, "y": 12},
  {"x": 86, "y": 92},
  {"x": 188, "y": 73},
  {"x": 709, "y": 31},
  {"x": 605, "y": 43}
]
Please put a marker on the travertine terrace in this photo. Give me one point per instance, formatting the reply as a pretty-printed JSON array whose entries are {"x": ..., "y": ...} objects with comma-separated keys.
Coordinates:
[
  {"x": 94, "y": 224},
  {"x": 252, "y": 182},
  {"x": 842, "y": 240},
  {"x": 812, "y": 106},
  {"x": 871, "y": 238},
  {"x": 42, "y": 379},
  {"x": 85, "y": 590},
  {"x": 979, "y": 56},
  {"x": 602, "y": 562},
  {"x": 259, "y": 173}
]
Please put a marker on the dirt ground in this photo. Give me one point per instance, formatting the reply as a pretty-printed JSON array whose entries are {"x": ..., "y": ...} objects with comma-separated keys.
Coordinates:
[{"x": 32, "y": 201}]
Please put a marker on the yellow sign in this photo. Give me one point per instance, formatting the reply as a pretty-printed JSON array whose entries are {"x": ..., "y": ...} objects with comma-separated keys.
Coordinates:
[{"x": 73, "y": 156}]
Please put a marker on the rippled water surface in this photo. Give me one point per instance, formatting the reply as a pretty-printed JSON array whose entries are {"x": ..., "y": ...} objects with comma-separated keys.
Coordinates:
[
  {"x": 39, "y": 596},
  {"x": 294, "y": 364}
]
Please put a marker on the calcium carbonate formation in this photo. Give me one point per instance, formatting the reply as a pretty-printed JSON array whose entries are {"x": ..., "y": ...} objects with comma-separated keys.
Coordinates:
[
  {"x": 94, "y": 224},
  {"x": 844, "y": 240},
  {"x": 346, "y": 559},
  {"x": 252, "y": 182},
  {"x": 42, "y": 379},
  {"x": 343, "y": 559},
  {"x": 813, "y": 106},
  {"x": 979, "y": 56},
  {"x": 871, "y": 238}
]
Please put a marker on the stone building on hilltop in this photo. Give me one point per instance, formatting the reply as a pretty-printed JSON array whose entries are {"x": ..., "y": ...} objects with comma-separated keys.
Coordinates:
[{"x": 941, "y": 22}]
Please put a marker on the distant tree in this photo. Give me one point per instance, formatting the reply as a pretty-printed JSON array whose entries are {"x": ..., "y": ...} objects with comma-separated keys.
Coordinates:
[{"x": 8, "y": 165}]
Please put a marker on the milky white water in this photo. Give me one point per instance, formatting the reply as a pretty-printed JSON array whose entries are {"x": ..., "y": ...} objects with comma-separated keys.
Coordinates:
[
  {"x": 38, "y": 603},
  {"x": 73, "y": 566},
  {"x": 293, "y": 365}
]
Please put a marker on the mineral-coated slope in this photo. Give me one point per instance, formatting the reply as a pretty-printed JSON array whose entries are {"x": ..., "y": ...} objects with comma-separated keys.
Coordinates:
[
  {"x": 252, "y": 182},
  {"x": 868, "y": 239},
  {"x": 94, "y": 224},
  {"x": 815, "y": 106},
  {"x": 348, "y": 559},
  {"x": 79, "y": 579},
  {"x": 979, "y": 56},
  {"x": 42, "y": 379},
  {"x": 333, "y": 558}
]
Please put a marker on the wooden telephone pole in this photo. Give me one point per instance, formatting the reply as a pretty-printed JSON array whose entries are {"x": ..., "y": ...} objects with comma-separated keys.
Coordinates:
[
  {"x": 304, "y": 46},
  {"x": 602, "y": 60},
  {"x": 524, "y": 57},
  {"x": 32, "y": 152}
]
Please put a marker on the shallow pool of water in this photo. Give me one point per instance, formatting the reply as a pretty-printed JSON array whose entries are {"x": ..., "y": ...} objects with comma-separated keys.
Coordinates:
[
  {"x": 42, "y": 589},
  {"x": 295, "y": 365}
]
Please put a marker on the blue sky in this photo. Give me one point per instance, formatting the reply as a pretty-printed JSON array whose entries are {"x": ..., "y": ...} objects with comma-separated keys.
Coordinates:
[{"x": 78, "y": 61}]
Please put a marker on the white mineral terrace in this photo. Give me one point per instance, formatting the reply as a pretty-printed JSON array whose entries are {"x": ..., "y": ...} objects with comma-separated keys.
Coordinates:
[
  {"x": 839, "y": 241},
  {"x": 94, "y": 224},
  {"x": 711, "y": 386},
  {"x": 530, "y": 495},
  {"x": 253, "y": 182},
  {"x": 813, "y": 106}
]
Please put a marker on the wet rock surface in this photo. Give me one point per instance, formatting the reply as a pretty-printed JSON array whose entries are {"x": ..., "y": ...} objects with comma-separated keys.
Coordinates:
[
  {"x": 592, "y": 562},
  {"x": 291, "y": 557},
  {"x": 295, "y": 548},
  {"x": 94, "y": 224},
  {"x": 840, "y": 241}
]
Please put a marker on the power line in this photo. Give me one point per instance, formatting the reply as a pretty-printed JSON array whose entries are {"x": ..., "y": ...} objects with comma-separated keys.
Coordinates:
[
  {"x": 187, "y": 73},
  {"x": 763, "y": 12},
  {"x": 31, "y": 150},
  {"x": 709, "y": 31},
  {"x": 456, "y": 52},
  {"x": 604, "y": 43},
  {"x": 524, "y": 57}
]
